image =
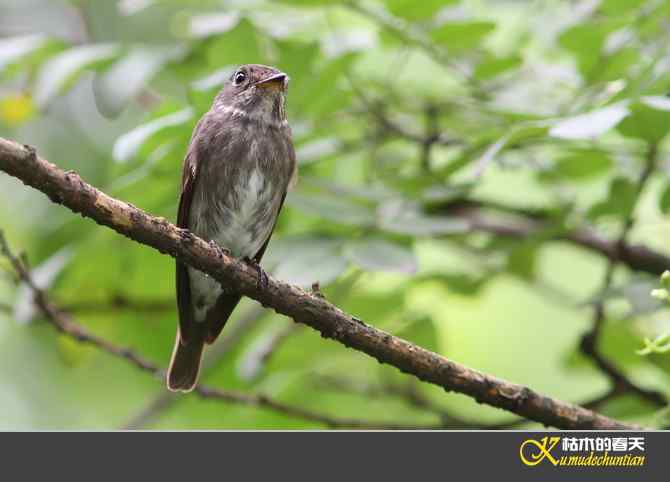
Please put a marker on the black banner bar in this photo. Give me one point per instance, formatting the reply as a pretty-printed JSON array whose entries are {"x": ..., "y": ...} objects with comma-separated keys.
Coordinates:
[{"x": 607, "y": 456}]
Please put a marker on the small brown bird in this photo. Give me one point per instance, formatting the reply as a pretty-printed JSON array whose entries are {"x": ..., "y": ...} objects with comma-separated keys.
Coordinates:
[{"x": 238, "y": 167}]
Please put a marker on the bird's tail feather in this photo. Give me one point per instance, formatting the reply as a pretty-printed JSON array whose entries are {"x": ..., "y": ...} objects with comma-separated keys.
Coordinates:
[{"x": 182, "y": 375}]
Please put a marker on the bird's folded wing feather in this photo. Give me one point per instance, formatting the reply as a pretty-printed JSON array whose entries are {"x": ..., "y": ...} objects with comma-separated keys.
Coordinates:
[{"x": 184, "y": 305}]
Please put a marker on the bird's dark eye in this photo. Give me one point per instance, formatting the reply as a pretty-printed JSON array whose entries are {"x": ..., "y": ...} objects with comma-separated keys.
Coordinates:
[{"x": 239, "y": 77}]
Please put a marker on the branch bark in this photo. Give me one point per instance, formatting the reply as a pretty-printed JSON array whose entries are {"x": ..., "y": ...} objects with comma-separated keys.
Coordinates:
[{"x": 69, "y": 189}]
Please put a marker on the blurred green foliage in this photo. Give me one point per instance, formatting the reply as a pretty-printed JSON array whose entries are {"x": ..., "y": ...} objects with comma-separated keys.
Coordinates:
[{"x": 398, "y": 109}]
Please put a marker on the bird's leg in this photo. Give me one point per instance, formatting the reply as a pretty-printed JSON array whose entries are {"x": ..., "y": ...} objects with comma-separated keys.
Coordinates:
[{"x": 262, "y": 282}]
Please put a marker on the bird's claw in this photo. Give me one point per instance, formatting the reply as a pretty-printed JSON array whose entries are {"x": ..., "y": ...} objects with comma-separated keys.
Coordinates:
[
  {"x": 262, "y": 281},
  {"x": 219, "y": 249}
]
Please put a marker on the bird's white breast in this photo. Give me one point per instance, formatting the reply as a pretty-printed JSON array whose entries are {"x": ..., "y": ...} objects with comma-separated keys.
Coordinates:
[{"x": 240, "y": 229}]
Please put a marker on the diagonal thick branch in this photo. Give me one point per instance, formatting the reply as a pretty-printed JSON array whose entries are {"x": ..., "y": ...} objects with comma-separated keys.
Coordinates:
[{"x": 69, "y": 189}]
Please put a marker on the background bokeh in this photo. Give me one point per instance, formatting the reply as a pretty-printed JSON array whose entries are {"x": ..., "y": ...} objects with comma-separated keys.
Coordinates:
[{"x": 403, "y": 113}]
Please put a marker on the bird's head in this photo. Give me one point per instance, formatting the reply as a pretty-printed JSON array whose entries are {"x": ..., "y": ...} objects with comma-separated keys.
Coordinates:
[{"x": 256, "y": 91}]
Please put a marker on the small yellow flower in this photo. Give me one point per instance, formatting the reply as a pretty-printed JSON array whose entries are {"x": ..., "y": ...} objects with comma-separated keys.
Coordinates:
[{"x": 16, "y": 109}]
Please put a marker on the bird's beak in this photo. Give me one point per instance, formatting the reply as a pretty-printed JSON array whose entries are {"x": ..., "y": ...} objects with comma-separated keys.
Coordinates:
[{"x": 277, "y": 81}]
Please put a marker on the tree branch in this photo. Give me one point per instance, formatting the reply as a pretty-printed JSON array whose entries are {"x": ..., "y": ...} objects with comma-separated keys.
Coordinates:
[{"x": 69, "y": 189}]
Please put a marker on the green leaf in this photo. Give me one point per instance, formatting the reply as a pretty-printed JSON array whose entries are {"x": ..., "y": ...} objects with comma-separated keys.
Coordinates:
[
  {"x": 522, "y": 259},
  {"x": 618, "y": 338},
  {"x": 381, "y": 255},
  {"x": 127, "y": 146},
  {"x": 527, "y": 131},
  {"x": 440, "y": 194},
  {"x": 459, "y": 36},
  {"x": 206, "y": 25},
  {"x": 323, "y": 94},
  {"x": 404, "y": 217},
  {"x": 664, "y": 199},
  {"x": 71, "y": 351},
  {"x": 312, "y": 3},
  {"x": 620, "y": 7},
  {"x": 239, "y": 45},
  {"x": 617, "y": 64},
  {"x": 337, "y": 209},
  {"x": 316, "y": 150},
  {"x": 494, "y": 66},
  {"x": 591, "y": 124},
  {"x": 665, "y": 279},
  {"x": 63, "y": 68},
  {"x": 619, "y": 200},
  {"x": 422, "y": 332},
  {"x": 413, "y": 10},
  {"x": 297, "y": 60},
  {"x": 649, "y": 120},
  {"x": 131, "y": 7},
  {"x": 461, "y": 283},
  {"x": 586, "y": 41},
  {"x": 304, "y": 261},
  {"x": 583, "y": 164},
  {"x": 129, "y": 75},
  {"x": 214, "y": 80},
  {"x": 12, "y": 49},
  {"x": 515, "y": 135}
]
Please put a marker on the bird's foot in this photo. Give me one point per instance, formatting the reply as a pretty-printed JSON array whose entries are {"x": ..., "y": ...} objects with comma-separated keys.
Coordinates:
[
  {"x": 262, "y": 281},
  {"x": 219, "y": 249}
]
